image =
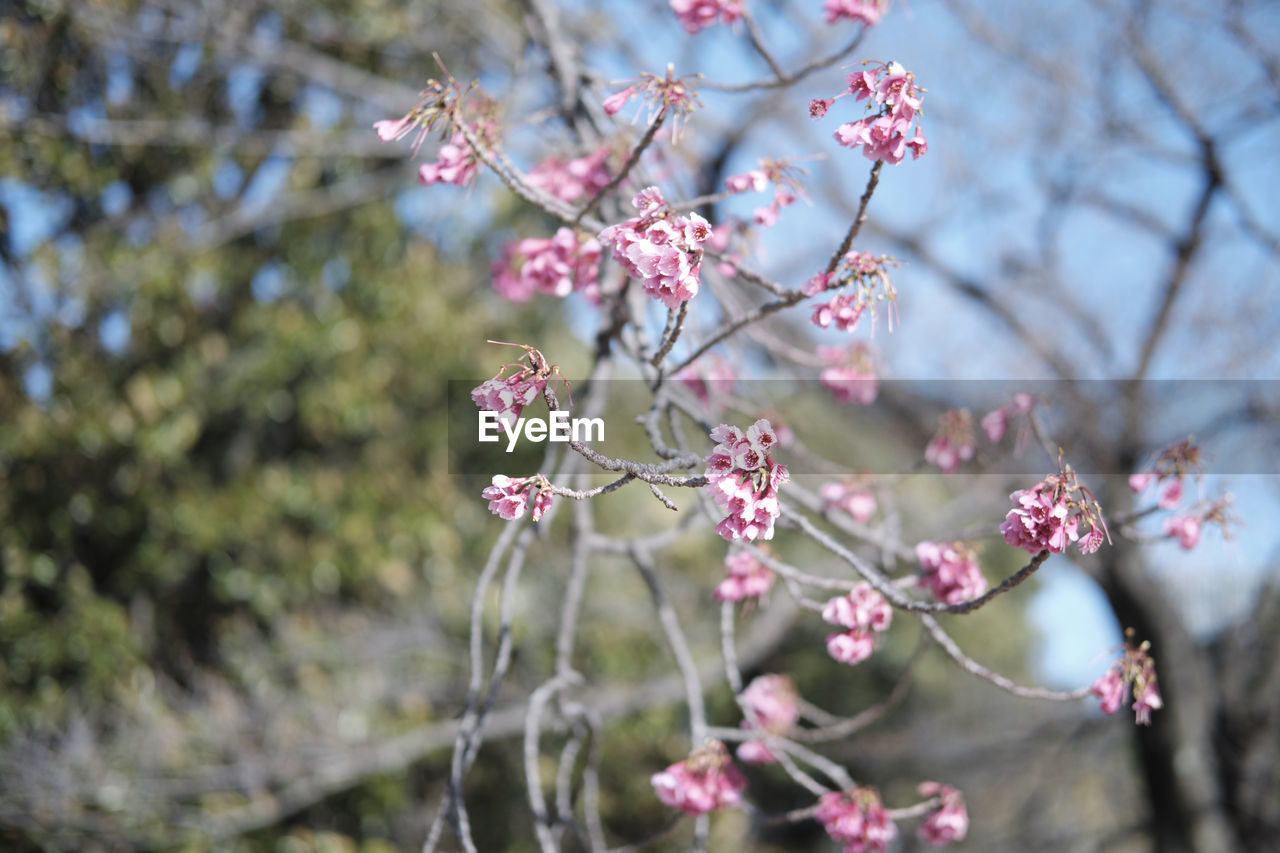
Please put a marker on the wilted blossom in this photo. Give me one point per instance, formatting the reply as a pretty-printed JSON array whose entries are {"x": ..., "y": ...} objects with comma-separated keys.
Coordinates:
[
  {"x": 864, "y": 613},
  {"x": 861, "y": 281},
  {"x": 695, "y": 15},
  {"x": 744, "y": 480},
  {"x": 950, "y": 822},
  {"x": 857, "y": 819},
  {"x": 1136, "y": 671},
  {"x": 705, "y": 781},
  {"x": 747, "y": 578},
  {"x": 508, "y": 394},
  {"x": 893, "y": 104},
  {"x": 660, "y": 248},
  {"x": 509, "y": 497},
  {"x": 555, "y": 265},
  {"x": 950, "y": 571},
  {"x": 850, "y": 374},
  {"x": 670, "y": 96},
  {"x": 868, "y": 12},
  {"x": 770, "y": 703},
  {"x": 1184, "y": 528},
  {"x": 1054, "y": 513},
  {"x": 571, "y": 180},
  {"x": 953, "y": 443},
  {"x": 857, "y": 502}
]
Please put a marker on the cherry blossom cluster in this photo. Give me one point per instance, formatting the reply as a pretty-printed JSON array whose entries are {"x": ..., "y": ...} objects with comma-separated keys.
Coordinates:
[
  {"x": 863, "y": 613},
  {"x": 868, "y": 12},
  {"x": 1166, "y": 472},
  {"x": 847, "y": 497},
  {"x": 571, "y": 180},
  {"x": 857, "y": 819},
  {"x": 456, "y": 161},
  {"x": 950, "y": 571},
  {"x": 861, "y": 282},
  {"x": 744, "y": 480},
  {"x": 786, "y": 187},
  {"x": 996, "y": 422},
  {"x": 952, "y": 443},
  {"x": 771, "y": 704},
  {"x": 1054, "y": 513},
  {"x": 660, "y": 248},
  {"x": 950, "y": 822},
  {"x": 747, "y": 578},
  {"x": 695, "y": 15},
  {"x": 555, "y": 265},
  {"x": 508, "y": 393},
  {"x": 850, "y": 373},
  {"x": 705, "y": 781},
  {"x": 668, "y": 96},
  {"x": 1187, "y": 525},
  {"x": 1135, "y": 672},
  {"x": 893, "y": 104},
  {"x": 509, "y": 497}
]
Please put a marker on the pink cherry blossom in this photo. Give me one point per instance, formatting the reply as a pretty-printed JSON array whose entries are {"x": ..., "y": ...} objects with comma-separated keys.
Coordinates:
[
  {"x": 857, "y": 819},
  {"x": 1049, "y": 516},
  {"x": 893, "y": 108},
  {"x": 390, "y": 129},
  {"x": 557, "y": 266},
  {"x": 615, "y": 102},
  {"x": 770, "y": 703},
  {"x": 705, "y": 781},
  {"x": 659, "y": 248},
  {"x": 506, "y": 497},
  {"x": 851, "y": 375},
  {"x": 507, "y": 395},
  {"x": 950, "y": 822},
  {"x": 695, "y": 15},
  {"x": 756, "y": 180},
  {"x": 1146, "y": 698},
  {"x": 509, "y": 497},
  {"x": 1139, "y": 482},
  {"x": 994, "y": 424},
  {"x": 1110, "y": 688},
  {"x": 868, "y": 12},
  {"x": 744, "y": 480},
  {"x": 571, "y": 180},
  {"x": 953, "y": 443},
  {"x": 863, "y": 612},
  {"x": 862, "y": 283},
  {"x": 858, "y": 503},
  {"x": 747, "y": 578},
  {"x": 851, "y": 647},
  {"x": 1135, "y": 671},
  {"x": 818, "y": 107},
  {"x": 455, "y": 163},
  {"x": 711, "y": 379},
  {"x": 1170, "y": 494},
  {"x": 1184, "y": 528},
  {"x": 950, "y": 571}
]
